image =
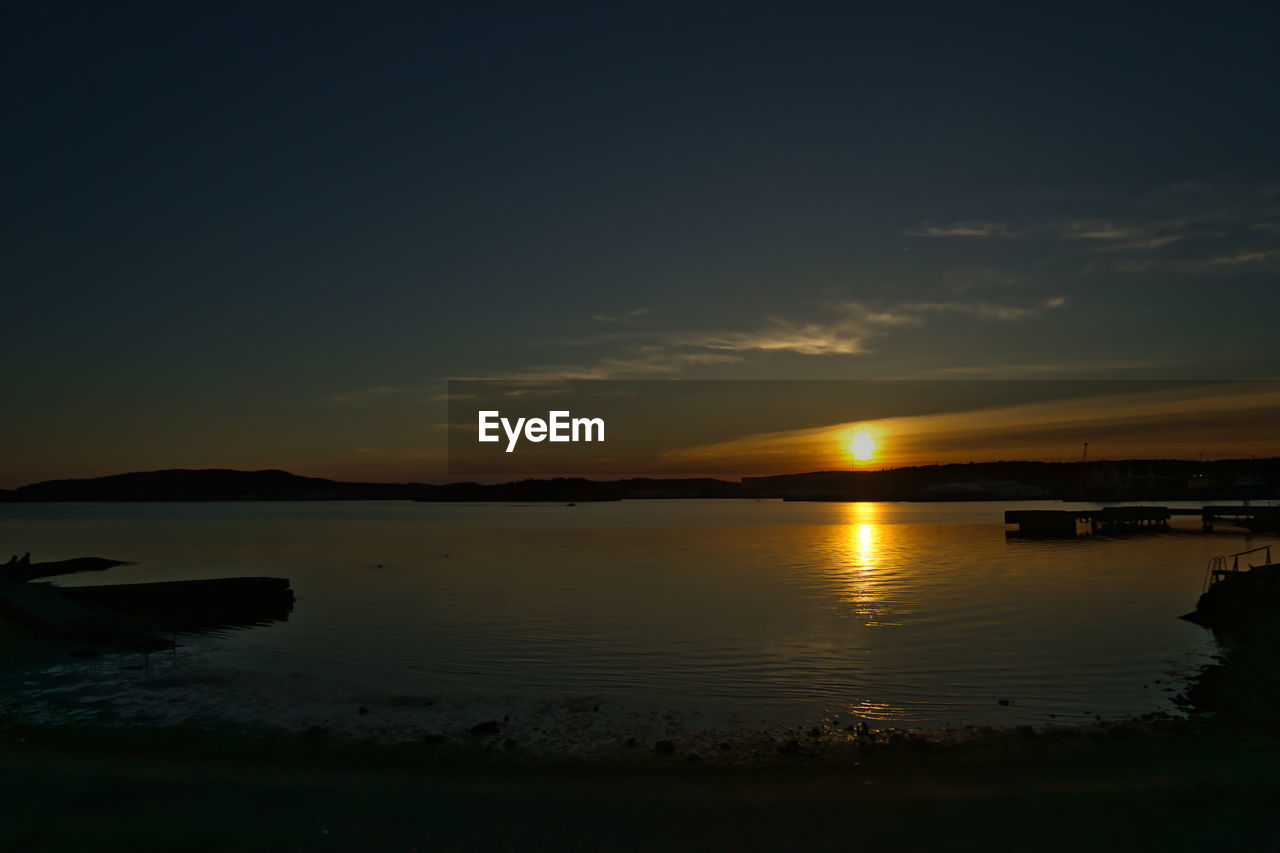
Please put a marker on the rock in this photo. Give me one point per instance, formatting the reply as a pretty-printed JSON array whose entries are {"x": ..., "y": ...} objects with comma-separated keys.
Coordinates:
[
  {"x": 509, "y": 744},
  {"x": 664, "y": 747},
  {"x": 490, "y": 727},
  {"x": 631, "y": 743},
  {"x": 362, "y": 710},
  {"x": 432, "y": 740},
  {"x": 725, "y": 746},
  {"x": 791, "y": 747}
]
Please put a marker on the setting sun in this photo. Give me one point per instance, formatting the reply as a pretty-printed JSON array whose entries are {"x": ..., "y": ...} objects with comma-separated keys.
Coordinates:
[{"x": 862, "y": 446}]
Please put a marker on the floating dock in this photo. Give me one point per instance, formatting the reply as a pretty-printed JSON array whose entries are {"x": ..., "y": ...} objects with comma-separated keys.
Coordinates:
[
  {"x": 1116, "y": 519},
  {"x": 142, "y": 616},
  {"x": 192, "y": 606}
]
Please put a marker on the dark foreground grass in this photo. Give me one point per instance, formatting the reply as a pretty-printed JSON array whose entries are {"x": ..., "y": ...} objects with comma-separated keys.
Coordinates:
[{"x": 1176, "y": 786}]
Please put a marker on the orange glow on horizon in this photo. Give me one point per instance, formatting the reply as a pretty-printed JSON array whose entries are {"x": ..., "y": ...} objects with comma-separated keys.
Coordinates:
[{"x": 1219, "y": 422}]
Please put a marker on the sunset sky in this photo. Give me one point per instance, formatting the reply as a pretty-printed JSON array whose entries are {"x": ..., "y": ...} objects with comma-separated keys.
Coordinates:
[{"x": 248, "y": 238}]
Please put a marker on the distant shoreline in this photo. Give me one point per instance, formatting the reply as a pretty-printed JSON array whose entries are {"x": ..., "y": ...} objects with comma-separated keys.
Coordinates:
[{"x": 1124, "y": 480}]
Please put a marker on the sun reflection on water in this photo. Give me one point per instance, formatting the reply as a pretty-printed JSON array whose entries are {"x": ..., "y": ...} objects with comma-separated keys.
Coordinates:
[
  {"x": 866, "y": 584},
  {"x": 861, "y": 566}
]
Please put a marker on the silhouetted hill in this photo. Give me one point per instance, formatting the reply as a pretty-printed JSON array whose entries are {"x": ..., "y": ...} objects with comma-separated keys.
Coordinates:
[
  {"x": 213, "y": 484},
  {"x": 1127, "y": 480}
]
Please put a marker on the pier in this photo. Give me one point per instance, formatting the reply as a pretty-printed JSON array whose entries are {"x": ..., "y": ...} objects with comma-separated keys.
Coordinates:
[{"x": 1118, "y": 519}]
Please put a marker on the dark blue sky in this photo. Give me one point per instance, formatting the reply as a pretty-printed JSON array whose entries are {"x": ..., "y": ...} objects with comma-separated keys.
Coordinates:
[{"x": 251, "y": 238}]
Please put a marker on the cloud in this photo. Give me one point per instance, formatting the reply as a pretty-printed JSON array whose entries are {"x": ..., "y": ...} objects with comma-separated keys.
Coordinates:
[
  {"x": 1099, "y": 229},
  {"x": 650, "y": 361},
  {"x": 1244, "y": 258},
  {"x": 848, "y": 329},
  {"x": 964, "y": 279},
  {"x": 366, "y": 395},
  {"x": 1241, "y": 261},
  {"x": 1189, "y": 228},
  {"x": 892, "y": 318},
  {"x": 969, "y": 228},
  {"x": 983, "y": 310},
  {"x": 1006, "y": 370},
  {"x": 845, "y": 335},
  {"x": 1145, "y": 244},
  {"x": 624, "y": 317}
]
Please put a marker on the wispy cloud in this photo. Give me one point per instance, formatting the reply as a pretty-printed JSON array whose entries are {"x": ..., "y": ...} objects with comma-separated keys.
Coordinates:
[
  {"x": 655, "y": 360},
  {"x": 1234, "y": 263},
  {"x": 964, "y": 279},
  {"x": 986, "y": 310},
  {"x": 1190, "y": 227},
  {"x": 968, "y": 228},
  {"x": 1244, "y": 258},
  {"x": 624, "y": 317},
  {"x": 848, "y": 328},
  {"x": 1099, "y": 229},
  {"x": 1005, "y": 370},
  {"x": 1143, "y": 244},
  {"x": 361, "y": 396},
  {"x": 846, "y": 333}
]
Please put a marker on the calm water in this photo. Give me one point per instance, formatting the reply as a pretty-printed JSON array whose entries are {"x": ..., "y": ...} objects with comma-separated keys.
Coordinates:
[{"x": 899, "y": 614}]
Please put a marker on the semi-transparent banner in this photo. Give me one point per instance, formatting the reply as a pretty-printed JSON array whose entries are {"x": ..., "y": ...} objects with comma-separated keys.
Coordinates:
[{"x": 615, "y": 428}]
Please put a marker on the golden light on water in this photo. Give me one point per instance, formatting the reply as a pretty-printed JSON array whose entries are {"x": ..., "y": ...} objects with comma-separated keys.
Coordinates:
[
  {"x": 860, "y": 558},
  {"x": 862, "y": 535},
  {"x": 864, "y": 591}
]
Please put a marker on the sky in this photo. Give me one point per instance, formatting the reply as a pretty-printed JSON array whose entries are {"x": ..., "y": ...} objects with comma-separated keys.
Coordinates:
[{"x": 240, "y": 237}]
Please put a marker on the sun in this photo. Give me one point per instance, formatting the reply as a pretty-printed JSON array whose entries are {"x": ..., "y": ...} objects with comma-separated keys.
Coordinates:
[{"x": 862, "y": 446}]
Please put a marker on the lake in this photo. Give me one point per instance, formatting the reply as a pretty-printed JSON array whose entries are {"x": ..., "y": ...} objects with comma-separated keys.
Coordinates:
[{"x": 414, "y": 616}]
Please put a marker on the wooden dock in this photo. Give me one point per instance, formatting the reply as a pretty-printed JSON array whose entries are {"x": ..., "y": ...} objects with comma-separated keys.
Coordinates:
[
  {"x": 1117, "y": 519},
  {"x": 190, "y": 606}
]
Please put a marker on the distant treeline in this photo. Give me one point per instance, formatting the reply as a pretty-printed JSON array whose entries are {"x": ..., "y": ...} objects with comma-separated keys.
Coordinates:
[{"x": 1146, "y": 479}]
